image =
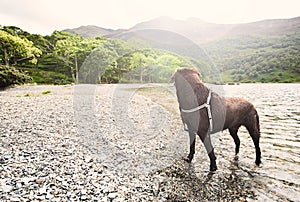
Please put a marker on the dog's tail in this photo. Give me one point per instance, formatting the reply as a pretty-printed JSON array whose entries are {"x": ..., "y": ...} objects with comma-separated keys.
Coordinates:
[{"x": 256, "y": 126}]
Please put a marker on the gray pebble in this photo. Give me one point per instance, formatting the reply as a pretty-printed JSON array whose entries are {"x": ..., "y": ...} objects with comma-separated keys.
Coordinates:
[{"x": 112, "y": 195}]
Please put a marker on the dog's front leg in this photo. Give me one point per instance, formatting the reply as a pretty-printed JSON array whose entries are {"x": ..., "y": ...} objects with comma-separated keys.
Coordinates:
[
  {"x": 190, "y": 157},
  {"x": 210, "y": 150}
]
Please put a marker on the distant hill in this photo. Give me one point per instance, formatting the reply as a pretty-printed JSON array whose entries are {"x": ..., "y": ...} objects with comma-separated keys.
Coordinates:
[
  {"x": 199, "y": 31},
  {"x": 203, "y": 32},
  {"x": 193, "y": 28},
  {"x": 164, "y": 40},
  {"x": 90, "y": 31}
]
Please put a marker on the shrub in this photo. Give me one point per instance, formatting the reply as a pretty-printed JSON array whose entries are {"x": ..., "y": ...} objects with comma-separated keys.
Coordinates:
[
  {"x": 46, "y": 92},
  {"x": 11, "y": 76}
]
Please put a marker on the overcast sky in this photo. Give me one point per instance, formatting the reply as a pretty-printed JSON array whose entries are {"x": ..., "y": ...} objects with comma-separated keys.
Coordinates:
[{"x": 45, "y": 16}]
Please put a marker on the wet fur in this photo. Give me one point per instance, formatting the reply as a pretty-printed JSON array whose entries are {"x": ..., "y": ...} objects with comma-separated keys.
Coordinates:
[{"x": 228, "y": 113}]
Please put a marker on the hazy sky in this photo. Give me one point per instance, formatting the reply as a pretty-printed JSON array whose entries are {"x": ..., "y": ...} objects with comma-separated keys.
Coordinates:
[{"x": 45, "y": 16}]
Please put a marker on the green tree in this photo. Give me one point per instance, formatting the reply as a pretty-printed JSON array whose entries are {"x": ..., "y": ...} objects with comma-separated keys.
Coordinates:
[
  {"x": 138, "y": 62},
  {"x": 96, "y": 64},
  {"x": 15, "y": 49},
  {"x": 106, "y": 62},
  {"x": 72, "y": 49}
]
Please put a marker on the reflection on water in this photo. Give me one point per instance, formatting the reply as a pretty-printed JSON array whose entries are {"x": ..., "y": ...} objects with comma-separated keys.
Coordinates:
[{"x": 278, "y": 106}]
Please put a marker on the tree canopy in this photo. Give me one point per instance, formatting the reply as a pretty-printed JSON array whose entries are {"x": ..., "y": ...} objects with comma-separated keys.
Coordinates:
[{"x": 15, "y": 49}]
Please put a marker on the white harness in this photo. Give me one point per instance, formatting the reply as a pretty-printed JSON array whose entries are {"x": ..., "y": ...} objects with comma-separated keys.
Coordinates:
[{"x": 205, "y": 105}]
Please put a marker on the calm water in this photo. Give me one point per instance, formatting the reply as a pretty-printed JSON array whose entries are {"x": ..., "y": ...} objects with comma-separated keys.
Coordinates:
[{"x": 278, "y": 106}]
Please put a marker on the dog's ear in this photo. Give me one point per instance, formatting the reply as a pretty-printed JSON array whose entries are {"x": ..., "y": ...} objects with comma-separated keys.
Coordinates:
[
  {"x": 199, "y": 74},
  {"x": 196, "y": 71}
]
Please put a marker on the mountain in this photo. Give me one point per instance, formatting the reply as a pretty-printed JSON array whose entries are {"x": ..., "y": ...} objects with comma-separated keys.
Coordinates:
[
  {"x": 199, "y": 31},
  {"x": 90, "y": 31},
  {"x": 193, "y": 28},
  {"x": 164, "y": 40},
  {"x": 203, "y": 32}
]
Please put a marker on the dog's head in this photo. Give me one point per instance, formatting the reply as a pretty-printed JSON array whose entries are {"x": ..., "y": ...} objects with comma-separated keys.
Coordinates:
[{"x": 186, "y": 73}]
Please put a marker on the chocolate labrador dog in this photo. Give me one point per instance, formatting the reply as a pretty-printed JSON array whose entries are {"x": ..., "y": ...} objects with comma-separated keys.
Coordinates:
[{"x": 205, "y": 112}]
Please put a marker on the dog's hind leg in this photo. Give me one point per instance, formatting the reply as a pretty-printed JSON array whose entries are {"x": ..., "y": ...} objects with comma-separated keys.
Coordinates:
[
  {"x": 190, "y": 157},
  {"x": 253, "y": 129},
  {"x": 233, "y": 133},
  {"x": 255, "y": 138}
]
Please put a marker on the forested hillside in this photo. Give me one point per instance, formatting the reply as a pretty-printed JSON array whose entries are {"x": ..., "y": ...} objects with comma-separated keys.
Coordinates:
[
  {"x": 63, "y": 58},
  {"x": 90, "y": 31},
  {"x": 256, "y": 59},
  {"x": 265, "y": 51}
]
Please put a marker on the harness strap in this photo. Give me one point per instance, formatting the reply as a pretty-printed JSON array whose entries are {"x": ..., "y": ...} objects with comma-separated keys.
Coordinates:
[
  {"x": 194, "y": 109},
  {"x": 205, "y": 105},
  {"x": 209, "y": 111}
]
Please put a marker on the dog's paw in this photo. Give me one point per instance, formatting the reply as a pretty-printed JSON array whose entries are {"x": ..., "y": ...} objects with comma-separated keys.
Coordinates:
[
  {"x": 258, "y": 162},
  {"x": 213, "y": 168},
  {"x": 187, "y": 159}
]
